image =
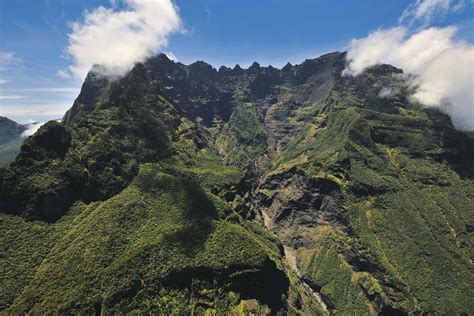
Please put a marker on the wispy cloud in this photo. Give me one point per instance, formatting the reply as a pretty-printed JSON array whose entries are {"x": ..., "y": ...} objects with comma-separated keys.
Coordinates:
[
  {"x": 64, "y": 74},
  {"x": 32, "y": 127},
  {"x": 424, "y": 10},
  {"x": 10, "y": 97},
  {"x": 171, "y": 56},
  {"x": 8, "y": 59},
  {"x": 3, "y": 81},
  {"x": 387, "y": 92},
  {"x": 442, "y": 64},
  {"x": 116, "y": 40},
  {"x": 47, "y": 90},
  {"x": 35, "y": 109}
]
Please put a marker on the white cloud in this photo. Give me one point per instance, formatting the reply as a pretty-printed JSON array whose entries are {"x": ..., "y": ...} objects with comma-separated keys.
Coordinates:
[
  {"x": 461, "y": 5},
  {"x": 171, "y": 56},
  {"x": 32, "y": 128},
  {"x": 10, "y": 97},
  {"x": 372, "y": 49},
  {"x": 64, "y": 74},
  {"x": 8, "y": 59},
  {"x": 443, "y": 67},
  {"x": 447, "y": 82},
  {"x": 413, "y": 52},
  {"x": 49, "y": 90},
  {"x": 386, "y": 92},
  {"x": 35, "y": 109},
  {"x": 425, "y": 11},
  {"x": 3, "y": 81},
  {"x": 117, "y": 40}
]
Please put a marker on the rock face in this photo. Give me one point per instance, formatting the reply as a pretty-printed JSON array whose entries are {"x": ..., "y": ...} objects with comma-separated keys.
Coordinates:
[
  {"x": 297, "y": 207},
  {"x": 186, "y": 189}
]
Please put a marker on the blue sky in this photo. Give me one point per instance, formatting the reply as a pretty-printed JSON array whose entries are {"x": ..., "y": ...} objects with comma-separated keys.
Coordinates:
[{"x": 34, "y": 36}]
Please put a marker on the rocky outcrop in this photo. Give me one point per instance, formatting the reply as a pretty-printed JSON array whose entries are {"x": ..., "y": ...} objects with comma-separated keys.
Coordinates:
[{"x": 295, "y": 207}]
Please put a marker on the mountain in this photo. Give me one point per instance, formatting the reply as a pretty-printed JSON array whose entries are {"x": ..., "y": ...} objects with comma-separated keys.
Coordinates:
[
  {"x": 9, "y": 130},
  {"x": 190, "y": 190},
  {"x": 10, "y": 139}
]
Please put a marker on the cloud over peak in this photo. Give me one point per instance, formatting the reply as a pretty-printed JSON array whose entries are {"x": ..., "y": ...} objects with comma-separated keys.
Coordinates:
[
  {"x": 443, "y": 67},
  {"x": 117, "y": 40}
]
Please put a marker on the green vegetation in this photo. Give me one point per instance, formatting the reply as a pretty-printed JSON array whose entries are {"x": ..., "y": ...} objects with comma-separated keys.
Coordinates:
[
  {"x": 329, "y": 270},
  {"x": 185, "y": 190},
  {"x": 243, "y": 137},
  {"x": 159, "y": 240},
  {"x": 407, "y": 203}
]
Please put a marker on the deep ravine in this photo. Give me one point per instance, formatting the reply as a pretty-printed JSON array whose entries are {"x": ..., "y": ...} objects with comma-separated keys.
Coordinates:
[{"x": 291, "y": 265}]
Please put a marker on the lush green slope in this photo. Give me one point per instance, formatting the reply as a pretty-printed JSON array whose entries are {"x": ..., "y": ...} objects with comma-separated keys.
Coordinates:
[
  {"x": 403, "y": 238},
  {"x": 183, "y": 189},
  {"x": 159, "y": 246},
  {"x": 153, "y": 234}
]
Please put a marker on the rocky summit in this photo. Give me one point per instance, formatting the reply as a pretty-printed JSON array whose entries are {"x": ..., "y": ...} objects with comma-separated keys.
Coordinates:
[{"x": 182, "y": 189}]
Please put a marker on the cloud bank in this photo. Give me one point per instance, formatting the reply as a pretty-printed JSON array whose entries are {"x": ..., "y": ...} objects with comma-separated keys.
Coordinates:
[
  {"x": 443, "y": 66},
  {"x": 32, "y": 127},
  {"x": 116, "y": 40}
]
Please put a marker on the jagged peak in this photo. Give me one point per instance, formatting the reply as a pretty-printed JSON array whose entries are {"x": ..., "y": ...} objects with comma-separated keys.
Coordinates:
[
  {"x": 288, "y": 66},
  {"x": 161, "y": 57},
  {"x": 255, "y": 65},
  {"x": 384, "y": 69},
  {"x": 224, "y": 68},
  {"x": 201, "y": 65}
]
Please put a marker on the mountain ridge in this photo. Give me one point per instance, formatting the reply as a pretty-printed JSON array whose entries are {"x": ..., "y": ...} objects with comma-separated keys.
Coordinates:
[{"x": 298, "y": 175}]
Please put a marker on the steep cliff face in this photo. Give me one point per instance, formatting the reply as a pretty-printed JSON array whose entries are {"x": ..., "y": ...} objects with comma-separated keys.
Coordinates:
[{"x": 190, "y": 189}]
